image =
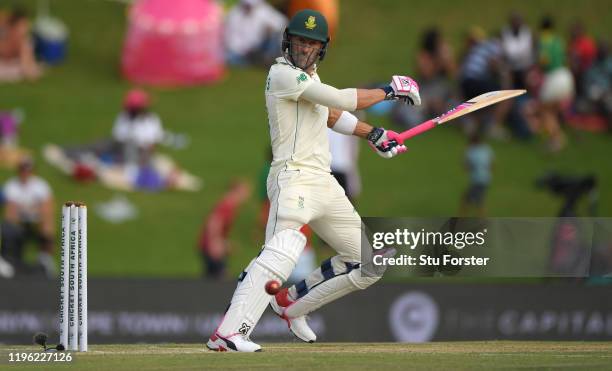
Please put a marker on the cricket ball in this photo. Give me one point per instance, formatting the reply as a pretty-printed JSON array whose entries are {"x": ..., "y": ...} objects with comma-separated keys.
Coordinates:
[{"x": 273, "y": 287}]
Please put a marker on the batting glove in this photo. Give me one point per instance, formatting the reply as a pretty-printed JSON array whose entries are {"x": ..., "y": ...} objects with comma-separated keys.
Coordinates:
[
  {"x": 403, "y": 88},
  {"x": 379, "y": 141}
]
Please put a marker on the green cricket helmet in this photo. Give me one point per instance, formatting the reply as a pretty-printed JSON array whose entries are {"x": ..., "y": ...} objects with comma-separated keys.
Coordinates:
[{"x": 309, "y": 24}]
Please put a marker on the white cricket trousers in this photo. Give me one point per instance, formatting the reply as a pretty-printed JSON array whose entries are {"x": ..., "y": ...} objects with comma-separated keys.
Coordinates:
[{"x": 299, "y": 197}]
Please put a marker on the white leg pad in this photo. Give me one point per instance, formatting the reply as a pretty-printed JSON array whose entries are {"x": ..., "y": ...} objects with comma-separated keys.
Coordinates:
[
  {"x": 276, "y": 261},
  {"x": 337, "y": 287},
  {"x": 329, "y": 291}
]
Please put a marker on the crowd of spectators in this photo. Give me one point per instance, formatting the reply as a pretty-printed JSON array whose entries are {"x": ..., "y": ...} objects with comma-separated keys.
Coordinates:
[
  {"x": 566, "y": 81},
  {"x": 567, "y": 75}
]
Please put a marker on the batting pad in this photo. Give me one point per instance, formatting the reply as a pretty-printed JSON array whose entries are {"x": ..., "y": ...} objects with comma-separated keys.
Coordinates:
[
  {"x": 275, "y": 262},
  {"x": 332, "y": 288},
  {"x": 329, "y": 291}
]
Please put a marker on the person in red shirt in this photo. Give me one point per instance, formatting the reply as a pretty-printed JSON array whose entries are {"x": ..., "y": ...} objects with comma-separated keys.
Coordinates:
[
  {"x": 213, "y": 243},
  {"x": 582, "y": 53}
]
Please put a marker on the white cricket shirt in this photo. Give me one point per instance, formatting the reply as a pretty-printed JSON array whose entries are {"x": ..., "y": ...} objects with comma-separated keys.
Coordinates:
[{"x": 298, "y": 128}]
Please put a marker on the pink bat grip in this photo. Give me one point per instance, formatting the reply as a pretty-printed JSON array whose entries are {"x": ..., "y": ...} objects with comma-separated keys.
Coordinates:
[
  {"x": 400, "y": 138},
  {"x": 427, "y": 125}
]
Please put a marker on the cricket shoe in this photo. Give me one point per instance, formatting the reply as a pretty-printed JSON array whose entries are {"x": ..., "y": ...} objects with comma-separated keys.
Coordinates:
[
  {"x": 298, "y": 325},
  {"x": 234, "y": 343}
]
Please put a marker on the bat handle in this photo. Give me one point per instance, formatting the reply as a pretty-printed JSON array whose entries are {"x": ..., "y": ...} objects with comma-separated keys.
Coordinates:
[
  {"x": 419, "y": 129},
  {"x": 392, "y": 139}
]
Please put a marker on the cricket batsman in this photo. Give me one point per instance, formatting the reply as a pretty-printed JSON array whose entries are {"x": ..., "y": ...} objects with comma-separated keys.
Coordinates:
[{"x": 302, "y": 190}]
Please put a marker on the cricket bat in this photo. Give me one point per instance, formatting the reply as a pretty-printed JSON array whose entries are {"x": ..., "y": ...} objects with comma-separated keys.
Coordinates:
[{"x": 474, "y": 104}]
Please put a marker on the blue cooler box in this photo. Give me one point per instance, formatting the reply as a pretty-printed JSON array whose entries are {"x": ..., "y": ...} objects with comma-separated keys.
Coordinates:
[{"x": 50, "y": 40}]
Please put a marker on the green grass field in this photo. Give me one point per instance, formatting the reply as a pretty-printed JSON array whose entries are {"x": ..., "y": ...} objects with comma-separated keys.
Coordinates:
[
  {"x": 489, "y": 355},
  {"x": 77, "y": 102}
]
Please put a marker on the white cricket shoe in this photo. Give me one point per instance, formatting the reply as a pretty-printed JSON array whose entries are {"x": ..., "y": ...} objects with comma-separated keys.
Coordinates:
[
  {"x": 298, "y": 325},
  {"x": 233, "y": 343}
]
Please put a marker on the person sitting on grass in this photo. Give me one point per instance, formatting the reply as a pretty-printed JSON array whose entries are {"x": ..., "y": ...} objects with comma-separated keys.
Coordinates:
[
  {"x": 28, "y": 214},
  {"x": 137, "y": 129},
  {"x": 17, "y": 59},
  {"x": 252, "y": 33}
]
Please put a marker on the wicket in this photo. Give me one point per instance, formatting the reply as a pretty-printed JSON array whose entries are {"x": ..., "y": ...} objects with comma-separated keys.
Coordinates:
[{"x": 73, "y": 277}]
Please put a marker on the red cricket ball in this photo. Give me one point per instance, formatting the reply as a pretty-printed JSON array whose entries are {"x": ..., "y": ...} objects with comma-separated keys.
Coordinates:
[{"x": 273, "y": 287}]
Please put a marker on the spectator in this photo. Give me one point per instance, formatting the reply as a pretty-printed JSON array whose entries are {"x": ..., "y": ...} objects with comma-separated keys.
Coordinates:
[
  {"x": 484, "y": 70},
  {"x": 253, "y": 31},
  {"x": 17, "y": 59},
  {"x": 213, "y": 244},
  {"x": 519, "y": 49},
  {"x": 598, "y": 84},
  {"x": 582, "y": 54},
  {"x": 136, "y": 129},
  {"x": 436, "y": 69},
  {"x": 135, "y": 134},
  {"x": 28, "y": 215},
  {"x": 479, "y": 164},
  {"x": 9, "y": 127},
  {"x": 10, "y": 152},
  {"x": 345, "y": 157},
  {"x": 557, "y": 86},
  {"x": 518, "y": 46}
]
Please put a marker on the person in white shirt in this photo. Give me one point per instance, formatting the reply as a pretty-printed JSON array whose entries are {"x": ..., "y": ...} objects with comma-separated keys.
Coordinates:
[
  {"x": 344, "y": 151},
  {"x": 252, "y": 33},
  {"x": 518, "y": 46},
  {"x": 28, "y": 215},
  {"x": 519, "y": 52},
  {"x": 302, "y": 190},
  {"x": 136, "y": 129}
]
